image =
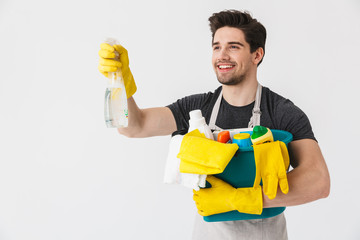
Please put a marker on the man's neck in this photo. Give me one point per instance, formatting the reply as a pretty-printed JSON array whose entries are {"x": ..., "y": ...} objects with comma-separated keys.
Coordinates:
[{"x": 241, "y": 94}]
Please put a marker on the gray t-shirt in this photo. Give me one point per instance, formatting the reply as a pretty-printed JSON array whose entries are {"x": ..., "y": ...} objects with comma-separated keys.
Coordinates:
[{"x": 277, "y": 112}]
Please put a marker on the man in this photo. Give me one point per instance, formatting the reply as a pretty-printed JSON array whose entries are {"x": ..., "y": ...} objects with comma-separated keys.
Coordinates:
[{"x": 238, "y": 49}]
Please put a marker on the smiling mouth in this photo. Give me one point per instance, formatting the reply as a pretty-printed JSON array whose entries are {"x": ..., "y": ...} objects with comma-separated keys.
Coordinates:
[{"x": 225, "y": 67}]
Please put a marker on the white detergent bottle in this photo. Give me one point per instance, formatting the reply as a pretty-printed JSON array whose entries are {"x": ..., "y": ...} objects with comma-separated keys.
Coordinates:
[{"x": 197, "y": 121}]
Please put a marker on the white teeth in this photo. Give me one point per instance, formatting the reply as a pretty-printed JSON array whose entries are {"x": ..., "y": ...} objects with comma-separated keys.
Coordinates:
[{"x": 225, "y": 66}]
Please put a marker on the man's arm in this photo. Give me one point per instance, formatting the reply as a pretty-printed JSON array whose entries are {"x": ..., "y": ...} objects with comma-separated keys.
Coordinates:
[
  {"x": 308, "y": 181},
  {"x": 148, "y": 122},
  {"x": 142, "y": 122}
]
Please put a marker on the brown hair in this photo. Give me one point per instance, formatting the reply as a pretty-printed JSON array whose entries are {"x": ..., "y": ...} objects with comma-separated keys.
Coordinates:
[{"x": 254, "y": 31}]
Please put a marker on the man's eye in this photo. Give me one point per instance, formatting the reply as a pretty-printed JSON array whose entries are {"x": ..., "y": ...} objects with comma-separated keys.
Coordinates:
[
  {"x": 234, "y": 47},
  {"x": 216, "y": 48}
]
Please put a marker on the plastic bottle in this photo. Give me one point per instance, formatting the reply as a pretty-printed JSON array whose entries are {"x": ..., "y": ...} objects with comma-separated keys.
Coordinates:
[
  {"x": 224, "y": 137},
  {"x": 242, "y": 139},
  {"x": 115, "y": 107},
  {"x": 197, "y": 121},
  {"x": 261, "y": 135}
]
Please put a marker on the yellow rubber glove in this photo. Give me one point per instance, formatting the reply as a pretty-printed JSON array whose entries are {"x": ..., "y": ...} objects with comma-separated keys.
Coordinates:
[
  {"x": 107, "y": 63},
  {"x": 272, "y": 161},
  {"x": 200, "y": 155},
  {"x": 222, "y": 197}
]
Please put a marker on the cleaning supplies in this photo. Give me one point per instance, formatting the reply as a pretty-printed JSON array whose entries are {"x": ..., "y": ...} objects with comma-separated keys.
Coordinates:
[
  {"x": 261, "y": 135},
  {"x": 204, "y": 156},
  {"x": 197, "y": 121},
  {"x": 242, "y": 139},
  {"x": 224, "y": 137},
  {"x": 172, "y": 172},
  {"x": 173, "y": 164},
  {"x": 108, "y": 63},
  {"x": 115, "y": 108},
  {"x": 271, "y": 160},
  {"x": 240, "y": 173},
  {"x": 172, "y": 168}
]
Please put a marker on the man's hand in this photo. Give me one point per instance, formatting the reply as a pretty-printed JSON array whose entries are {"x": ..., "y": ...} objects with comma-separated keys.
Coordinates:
[
  {"x": 222, "y": 197},
  {"x": 109, "y": 62}
]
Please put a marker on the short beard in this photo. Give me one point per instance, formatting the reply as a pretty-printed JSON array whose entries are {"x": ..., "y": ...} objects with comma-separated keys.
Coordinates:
[{"x": 232, "y": 81}]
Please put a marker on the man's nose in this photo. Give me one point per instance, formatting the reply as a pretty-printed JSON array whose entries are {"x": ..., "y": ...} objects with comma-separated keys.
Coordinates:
[{"x": 223, "y": 54}]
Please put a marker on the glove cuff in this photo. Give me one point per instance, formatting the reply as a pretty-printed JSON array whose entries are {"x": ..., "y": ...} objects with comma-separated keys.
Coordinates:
[
  {"x": 129, "y": 83},
  {"x": 248, "y": 200}
]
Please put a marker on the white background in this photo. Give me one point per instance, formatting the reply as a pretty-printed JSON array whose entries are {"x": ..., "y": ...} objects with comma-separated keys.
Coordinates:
[{"x": 64, "y": 175}]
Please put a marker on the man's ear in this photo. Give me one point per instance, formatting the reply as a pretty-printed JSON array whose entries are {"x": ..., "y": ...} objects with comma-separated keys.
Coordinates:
[{"x": 258, "y": 55}]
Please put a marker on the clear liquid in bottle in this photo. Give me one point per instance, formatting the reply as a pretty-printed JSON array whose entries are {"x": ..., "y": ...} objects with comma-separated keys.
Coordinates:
[{"x": 115, "y": 108}]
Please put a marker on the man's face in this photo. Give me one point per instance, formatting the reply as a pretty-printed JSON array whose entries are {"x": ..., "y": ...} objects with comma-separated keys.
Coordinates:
[{"x": 231, "y": 57}]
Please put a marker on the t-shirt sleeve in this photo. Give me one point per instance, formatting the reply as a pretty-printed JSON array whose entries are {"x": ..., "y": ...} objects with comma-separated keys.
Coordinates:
[
  {"x": 292, "y": 119},
  {"x": 183, "y": 106}
]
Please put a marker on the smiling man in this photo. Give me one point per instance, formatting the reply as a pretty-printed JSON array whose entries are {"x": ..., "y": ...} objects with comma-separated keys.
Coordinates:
[
  {"x": 238, "y": 47},
  {"x": 232, "y": 58}
]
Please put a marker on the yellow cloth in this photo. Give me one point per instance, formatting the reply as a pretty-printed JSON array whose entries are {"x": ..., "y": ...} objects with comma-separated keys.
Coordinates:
[
  {"x": 200, "y": 155},
  {"x": 272, "y": 161},
  {"x": 222, "y": 197},
  {"x": 109, "y": 63}
]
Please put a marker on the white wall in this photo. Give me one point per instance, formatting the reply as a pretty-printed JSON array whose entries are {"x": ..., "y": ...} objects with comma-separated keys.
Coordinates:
[{"x": 64, "y": 175}]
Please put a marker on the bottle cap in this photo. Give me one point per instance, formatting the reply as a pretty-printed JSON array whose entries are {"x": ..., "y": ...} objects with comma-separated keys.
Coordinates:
[
  {"x": 223, "y": 136},
  {"x": 242, "y": 136},
  {"x": 197, "y": 122},
  {"x": 242, "y": 139},
  {"x": 196, "y": 118},
  {"x": 258, "y": 131},
  {"x": 195, "y": 114}
]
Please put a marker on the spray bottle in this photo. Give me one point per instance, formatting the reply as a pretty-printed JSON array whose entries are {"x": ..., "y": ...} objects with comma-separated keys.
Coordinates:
[{"x": 115, "y": 108}]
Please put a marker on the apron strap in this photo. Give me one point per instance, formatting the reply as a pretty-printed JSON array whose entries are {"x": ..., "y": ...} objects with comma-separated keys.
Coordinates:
[
  {"x": 214, "y": 113},
  {"x": 256, "y": 113}
]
